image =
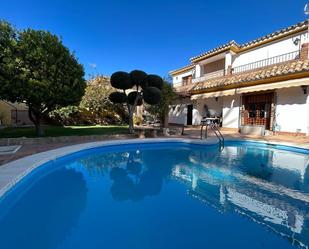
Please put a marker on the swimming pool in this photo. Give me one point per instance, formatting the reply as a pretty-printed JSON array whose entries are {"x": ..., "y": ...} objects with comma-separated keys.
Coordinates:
[{"x": 162, "y": 195}]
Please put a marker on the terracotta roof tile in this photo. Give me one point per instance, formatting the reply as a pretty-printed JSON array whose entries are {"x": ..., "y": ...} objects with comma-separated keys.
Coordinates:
[
  {"x": 285, "y": 68},
  {"x": 185, "y": 88},
  {"x": 285, "y": 31},
  {"x": 217, "y": 49},
  {"x": 289, "y": 29},
  {"x": 182, "y": 69}
]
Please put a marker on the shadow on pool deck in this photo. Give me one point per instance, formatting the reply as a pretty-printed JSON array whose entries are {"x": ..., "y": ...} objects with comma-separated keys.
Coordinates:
[{"x": 190, "y": 132}]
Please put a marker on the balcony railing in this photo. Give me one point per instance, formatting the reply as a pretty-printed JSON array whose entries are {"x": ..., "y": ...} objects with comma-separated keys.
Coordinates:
[
  {"x": 211, "y": 75},
  {"x": 251, "y": 66},
  {"x": 267, "y": 62}
]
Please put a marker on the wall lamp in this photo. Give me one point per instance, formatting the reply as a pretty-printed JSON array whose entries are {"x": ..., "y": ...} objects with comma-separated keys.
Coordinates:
[
  {"x": 304, "y": 89},
  {"x": 296, "y": 41}
]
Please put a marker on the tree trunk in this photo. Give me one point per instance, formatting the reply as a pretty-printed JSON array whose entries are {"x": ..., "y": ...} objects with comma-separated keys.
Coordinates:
[
  {"x": 131, "y": 123},
  {"x": 131, "y": 110},
  {"x": 163, "y": 114},
  {"x": 39, "y": 129},
  {"x": 35, "y": 118},
  {"x": 165, "y": 120}
]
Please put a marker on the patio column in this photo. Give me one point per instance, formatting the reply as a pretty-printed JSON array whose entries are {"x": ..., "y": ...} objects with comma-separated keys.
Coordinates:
[
  {"x": 198, "y": 71},
  {"x": 229, "y": 70},
  {"x": 228, "y": 63}
]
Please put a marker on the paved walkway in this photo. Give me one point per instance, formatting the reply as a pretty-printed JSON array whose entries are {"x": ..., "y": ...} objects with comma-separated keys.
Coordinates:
[
  {"x": 303, "y": 141},
  {"x": 30, "y": 149},
  {"x": 192, "y": 133}
]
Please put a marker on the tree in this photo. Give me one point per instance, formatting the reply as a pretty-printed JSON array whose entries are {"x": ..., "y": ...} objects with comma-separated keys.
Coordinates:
[
  {"x": 162, "y": 108},
  {"x": 96, "y": 100},
  {"x": 135, "y": 88},
  {"x": 47, "y": 75},
  {"x": 8, "y": 47},
  {"x": 94, "y": 108}
]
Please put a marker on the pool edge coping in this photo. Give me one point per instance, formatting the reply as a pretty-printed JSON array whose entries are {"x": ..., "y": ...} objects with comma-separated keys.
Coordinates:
[{"x": 13, "y": 172}]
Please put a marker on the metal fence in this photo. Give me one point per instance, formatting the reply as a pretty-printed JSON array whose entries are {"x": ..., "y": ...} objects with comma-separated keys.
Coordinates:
[{"x": 267, "y": 62}]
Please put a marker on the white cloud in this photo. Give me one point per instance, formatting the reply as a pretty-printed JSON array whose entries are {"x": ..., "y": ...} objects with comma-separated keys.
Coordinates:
[{"x": 93, "y": 65}]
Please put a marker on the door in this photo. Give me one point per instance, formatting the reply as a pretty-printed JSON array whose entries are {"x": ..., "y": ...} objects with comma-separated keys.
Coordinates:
[
  {"x": 189, "y": 114},
  {"x": 257, "y": 109}
]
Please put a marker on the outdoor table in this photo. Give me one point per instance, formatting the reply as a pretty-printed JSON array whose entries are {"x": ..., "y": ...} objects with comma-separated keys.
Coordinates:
[{"x": 207, "y": 121}]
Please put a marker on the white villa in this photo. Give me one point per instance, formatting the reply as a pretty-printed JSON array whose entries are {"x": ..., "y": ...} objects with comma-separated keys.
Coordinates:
[{"x": 262, "y": 84}]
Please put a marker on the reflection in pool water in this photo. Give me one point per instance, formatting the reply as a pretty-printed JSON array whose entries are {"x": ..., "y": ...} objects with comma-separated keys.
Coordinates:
[
  {"x": 166, "y": 196},
  {"x": 36, "y": 220}
]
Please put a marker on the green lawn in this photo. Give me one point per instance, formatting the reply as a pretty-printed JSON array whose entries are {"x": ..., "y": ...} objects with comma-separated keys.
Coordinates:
[{"x": 56, "y": 131}]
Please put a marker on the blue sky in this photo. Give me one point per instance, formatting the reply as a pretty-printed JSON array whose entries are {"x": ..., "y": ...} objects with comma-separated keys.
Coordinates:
[{"x": 155, "y": 36}]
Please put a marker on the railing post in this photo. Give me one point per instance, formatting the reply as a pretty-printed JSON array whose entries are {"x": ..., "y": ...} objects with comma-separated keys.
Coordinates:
[
  {"x": 229, "y": 70},
  {"x": 304, "y": 51}
]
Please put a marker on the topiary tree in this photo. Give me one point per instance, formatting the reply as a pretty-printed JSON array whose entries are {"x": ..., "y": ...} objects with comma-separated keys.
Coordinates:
[{"x": 134, "y": 88}]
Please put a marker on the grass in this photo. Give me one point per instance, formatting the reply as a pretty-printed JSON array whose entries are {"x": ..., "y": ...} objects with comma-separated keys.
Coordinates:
[{"x": 57, "y": 131}]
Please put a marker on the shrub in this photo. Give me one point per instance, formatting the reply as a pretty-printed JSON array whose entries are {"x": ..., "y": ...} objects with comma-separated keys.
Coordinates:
[{"x": 137, "y": 120}]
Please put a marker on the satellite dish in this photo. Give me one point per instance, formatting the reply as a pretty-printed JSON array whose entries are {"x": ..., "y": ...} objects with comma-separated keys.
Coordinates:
[{"x": 306, "y": 9}]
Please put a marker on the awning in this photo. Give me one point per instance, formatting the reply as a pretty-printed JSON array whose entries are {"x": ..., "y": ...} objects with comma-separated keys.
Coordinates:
[
  {"x": 276, "y": 85},
  {"x": 214, "y": 94},
  {"x": 257, "y": 88}
]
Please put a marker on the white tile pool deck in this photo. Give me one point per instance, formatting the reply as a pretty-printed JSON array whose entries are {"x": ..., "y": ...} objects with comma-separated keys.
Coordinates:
[{"x": 14, "y": 171}]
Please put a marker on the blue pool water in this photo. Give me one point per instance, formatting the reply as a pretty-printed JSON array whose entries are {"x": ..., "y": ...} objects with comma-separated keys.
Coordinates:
[{"x": 168, "y": 195}]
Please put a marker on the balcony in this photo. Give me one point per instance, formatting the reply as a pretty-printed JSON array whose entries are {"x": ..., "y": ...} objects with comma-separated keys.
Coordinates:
[
  {"x": 267, "y": 62},
  {"x": 250, "y": 66},
  {"x": 208, "y": 76}
]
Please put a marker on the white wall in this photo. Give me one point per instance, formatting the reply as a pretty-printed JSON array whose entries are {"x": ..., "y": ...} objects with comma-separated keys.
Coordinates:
[
  {"x": 213, "y": 106},
  {"x": 177, "y": 80},
  {"x": 178, "y": 113},
  {"x": 231, "y": 105},
  {"x": 292, "y": 110},
  {"x": 227, "y": 106},
  {"x": 307, "y": 113},
  {"x": 196, "y": 116},
  {"x": 283, "y": 46}
]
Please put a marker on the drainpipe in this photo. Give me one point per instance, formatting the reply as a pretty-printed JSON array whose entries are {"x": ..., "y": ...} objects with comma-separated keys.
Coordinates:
[
  {"x": 306, "y": 11},
  {"x": 307, "y": 36},
  {"x": 240, "y": 112}
]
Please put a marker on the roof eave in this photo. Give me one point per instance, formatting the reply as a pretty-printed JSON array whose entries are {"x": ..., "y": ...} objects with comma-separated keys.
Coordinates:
[
  {"x": 299, "y": 27},
  {"x": 296, "y": 75},
  {"x": 181, "y": 70},
  {"x": 199, "y": 58}
]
